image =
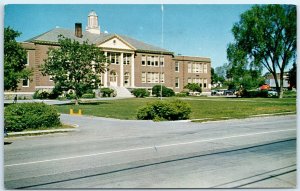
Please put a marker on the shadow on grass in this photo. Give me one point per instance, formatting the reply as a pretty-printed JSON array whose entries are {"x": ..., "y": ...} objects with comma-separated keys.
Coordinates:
[{"x": 87, "y": 103}]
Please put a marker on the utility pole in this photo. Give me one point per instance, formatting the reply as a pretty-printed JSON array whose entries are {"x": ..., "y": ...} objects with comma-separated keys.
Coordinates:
[{"x": 162, "y": 45}]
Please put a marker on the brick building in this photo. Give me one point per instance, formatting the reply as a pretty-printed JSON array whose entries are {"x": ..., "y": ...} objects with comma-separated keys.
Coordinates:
[{"x": 134, "y": 64}]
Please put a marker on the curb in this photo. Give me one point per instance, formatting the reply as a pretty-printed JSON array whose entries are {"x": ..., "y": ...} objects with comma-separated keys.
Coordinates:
[{"x": 41, "y": 132}]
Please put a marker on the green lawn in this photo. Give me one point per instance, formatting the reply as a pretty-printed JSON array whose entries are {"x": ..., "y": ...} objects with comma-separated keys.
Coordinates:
[{"x": 202, "y": 108}]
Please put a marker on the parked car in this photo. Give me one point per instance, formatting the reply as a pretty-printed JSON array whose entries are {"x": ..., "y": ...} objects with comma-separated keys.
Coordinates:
[
  {"x": 272, "y": 93},
  {"x": 220, "y": 92},
  {"x": 265, "y": 87},
  {"x": 213, "y": 92},
  {"x": 229, "y": 92}
]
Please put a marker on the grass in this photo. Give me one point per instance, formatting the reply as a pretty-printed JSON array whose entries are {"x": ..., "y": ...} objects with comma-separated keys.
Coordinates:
[
  {"x": 202, "y": 107},
  {"x": 63, "y": 126}
]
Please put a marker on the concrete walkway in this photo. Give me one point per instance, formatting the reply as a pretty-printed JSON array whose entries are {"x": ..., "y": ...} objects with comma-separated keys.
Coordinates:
[{"x": 58, "y": 102}]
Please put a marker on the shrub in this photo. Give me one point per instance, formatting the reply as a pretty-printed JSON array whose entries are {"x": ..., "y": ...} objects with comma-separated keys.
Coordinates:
[
  {"x": 55, "y": 93},
  {"x": 20, "y": 116},
  {"x": 88, "y": 95},
  {"x": 44, "y": 94},
  {"x": 140, "y": 92},
  {"x": 70, "y": 95},
  {"x": 253, "y": 94},
  {"x": 166, "y": 92},
  {"x": 107, "y": 92},
  {"x": 193, "y": 87},
  {"x": 289, "y": 94},
  {"x": 165, "y": 110},
  {"x": 181, "y": 95},
  {"x": 40, "y": 94}
]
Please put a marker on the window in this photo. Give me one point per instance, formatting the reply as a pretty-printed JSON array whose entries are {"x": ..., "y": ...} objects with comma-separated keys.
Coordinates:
[
  {"x": 125, "y": 59},
  {"x": 149, "y": 60},
  {"x": 156, "y": 61},
  {"x": 143, "y": 60},
  {"x": 201, "y": 68},
  {"x": 205, "y": 68},
  {"x": 149, "y": 77},
  {"x": 152, "y": 60},
  {"x": 197, "y": 68},
  {"x": 25, "y": 82},
  {"x": 143, "y": 77},
  {"x": 189, "y": 80},
  {"x": 113, "y": 76},
  {"x": 162, "y": 78},
  {"x": 117, "y": 56},
  {"x": 189, "y": 67},
  {"x": 201, "y": 82},
  {"x": 156, "y": 77},
  {"x": 162, "y": 61},
  {"x": 176, "y": 82},
  {"x": 176, "y": 66},
  {"x": 113, "y": 57},
  {"x": 205, "y": 83}
]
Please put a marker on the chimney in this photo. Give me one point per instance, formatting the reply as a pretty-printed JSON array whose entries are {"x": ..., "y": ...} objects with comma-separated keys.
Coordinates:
[{"x": 78, "y": 30}]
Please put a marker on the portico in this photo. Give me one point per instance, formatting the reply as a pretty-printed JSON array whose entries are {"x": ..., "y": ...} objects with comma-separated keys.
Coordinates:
[{"x": 120, "y": 62}]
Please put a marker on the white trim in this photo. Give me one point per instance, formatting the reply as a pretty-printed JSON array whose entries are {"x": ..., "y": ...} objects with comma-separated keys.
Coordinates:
[
  {"x": 44, "y": 87},
  {"x": 132, "y": 71},
  {"x": 27, "y": 60},
  {"x": 18, "y": 93},
  {"x": 121, "y": 70},
  {"x": 105, "y": 73},
  {"x": 177, "y": 63}
]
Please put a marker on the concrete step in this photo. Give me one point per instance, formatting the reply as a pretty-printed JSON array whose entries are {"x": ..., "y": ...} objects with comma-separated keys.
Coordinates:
[{"x": 122, "y": 91}]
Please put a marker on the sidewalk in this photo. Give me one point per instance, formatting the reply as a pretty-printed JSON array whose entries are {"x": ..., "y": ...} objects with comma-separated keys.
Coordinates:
[
  {"x": 40, "y": 132},
  {"x": 58, "y": 102}
]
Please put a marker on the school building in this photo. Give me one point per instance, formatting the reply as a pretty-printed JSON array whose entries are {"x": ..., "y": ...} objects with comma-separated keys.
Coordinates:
[{"x": 133, "y": 63}]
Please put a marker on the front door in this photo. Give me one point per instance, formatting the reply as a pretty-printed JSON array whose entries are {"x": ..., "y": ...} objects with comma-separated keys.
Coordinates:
[
  {"x": 113, "y": 78},
  {"x": 126, "y": 80}
]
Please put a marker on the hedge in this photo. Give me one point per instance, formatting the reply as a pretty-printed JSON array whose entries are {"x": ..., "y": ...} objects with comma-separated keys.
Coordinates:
[
  {"x": 166, "y": 92},
  {"x": 165, "y": 110},
  {"x": 21, "y": 116},
  {"x": 140, "y": 92}
]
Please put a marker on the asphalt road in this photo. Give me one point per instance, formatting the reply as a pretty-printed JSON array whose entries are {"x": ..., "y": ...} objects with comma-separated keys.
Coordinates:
[{"x": 109, "y": 153}]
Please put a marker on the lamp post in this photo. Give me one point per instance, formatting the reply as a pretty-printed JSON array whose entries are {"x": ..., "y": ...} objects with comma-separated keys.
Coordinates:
[{"x": 162, "y": 45}]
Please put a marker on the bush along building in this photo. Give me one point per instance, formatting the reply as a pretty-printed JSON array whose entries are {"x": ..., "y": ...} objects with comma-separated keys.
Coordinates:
[{"x": 133, "y": 64}]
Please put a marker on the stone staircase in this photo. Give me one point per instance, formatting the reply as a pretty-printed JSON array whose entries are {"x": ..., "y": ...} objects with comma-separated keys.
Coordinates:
[{"x": 122, "y": 91}]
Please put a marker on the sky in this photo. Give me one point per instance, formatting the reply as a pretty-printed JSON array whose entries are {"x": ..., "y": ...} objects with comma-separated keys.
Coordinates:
[{"x": 186, "y": 29}]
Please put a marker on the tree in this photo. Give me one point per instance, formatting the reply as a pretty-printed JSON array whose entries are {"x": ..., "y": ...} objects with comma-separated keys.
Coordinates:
[
  {"x": 74, "y": 66},
  {"x": 15, "y": 59},
  {"x": 266, "y": 36},
  {"x": 240, "y": 72},
  {"x": 292, "y": 76},
  {"x": 166, "y": 92},
  {"x": 193, "y": 87}
]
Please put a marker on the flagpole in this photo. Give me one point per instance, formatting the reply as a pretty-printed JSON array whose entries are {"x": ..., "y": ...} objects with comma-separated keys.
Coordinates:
[{"x": 162, "y": 45}]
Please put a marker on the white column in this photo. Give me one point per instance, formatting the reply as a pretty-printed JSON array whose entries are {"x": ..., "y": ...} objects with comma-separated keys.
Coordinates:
[
  {"x": 121, "y": 70},
  {"x": 105, "y": 74},
  {"x": 132, "y": 70}
]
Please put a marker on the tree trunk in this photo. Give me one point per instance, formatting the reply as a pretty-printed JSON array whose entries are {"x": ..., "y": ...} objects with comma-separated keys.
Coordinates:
[
  {"x": 276, "y": 83},
  {"x": 280, "y": 93},
  {"x": 76, "y": 101}
]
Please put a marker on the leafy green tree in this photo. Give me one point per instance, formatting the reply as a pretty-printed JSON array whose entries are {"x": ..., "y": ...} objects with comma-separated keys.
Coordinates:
[
  {"x": 292, "y": 76},
  {"x": 266, "y": 36},
  {"x": 193, "y": 87},
  {"x": 75, "y": 66},
  {"x": 166, "y": 92},
  {"x": 15, "y": 59},
  {"x": 241, "y": 72}
]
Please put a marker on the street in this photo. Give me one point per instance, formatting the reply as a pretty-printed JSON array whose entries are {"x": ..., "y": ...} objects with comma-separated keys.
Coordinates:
[{"x": 110, "y": 153}]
